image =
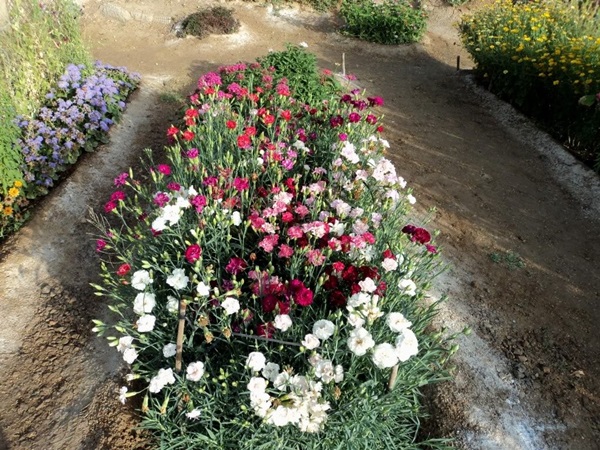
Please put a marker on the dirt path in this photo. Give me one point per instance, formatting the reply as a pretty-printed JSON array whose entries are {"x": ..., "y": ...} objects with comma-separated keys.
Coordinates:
[{"x": 521, "y": 240}]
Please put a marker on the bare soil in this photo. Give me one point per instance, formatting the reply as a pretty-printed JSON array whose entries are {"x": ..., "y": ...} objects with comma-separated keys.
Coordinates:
[{"x": 517, "y": 223}]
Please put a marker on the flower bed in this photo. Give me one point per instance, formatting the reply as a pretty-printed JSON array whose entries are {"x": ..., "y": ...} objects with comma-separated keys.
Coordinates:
[
  {"x": 542, "y": 57},
  {"x": 76, "y": 117},
  {"x": 266, "y": 281}
]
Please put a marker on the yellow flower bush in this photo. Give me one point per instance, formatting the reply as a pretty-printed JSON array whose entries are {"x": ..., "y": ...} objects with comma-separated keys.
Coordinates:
[
  {"x": 542, "y": 56},
  {"x": 12, "y": 204}
]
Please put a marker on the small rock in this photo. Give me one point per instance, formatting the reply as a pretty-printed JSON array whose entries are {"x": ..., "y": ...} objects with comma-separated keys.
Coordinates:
[
  {"x": 546, "y": 370},
  {"x": 523, "y": 358}
]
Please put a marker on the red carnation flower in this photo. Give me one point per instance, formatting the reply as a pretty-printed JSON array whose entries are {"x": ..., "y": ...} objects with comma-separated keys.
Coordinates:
[
  {"x": 250, "y": 131},
  {"x": 123, "y": 270},
  {"x": 231, "y": 124},
  {"x": 337, "y": 299},
  {"x": 188, "y": 135},
  {"x": 243, "y": 141},
  {"x": 269, "y": 302},
  {"x": 193, "y": 253},
  {"x": 236, "y": 265},
  {"x": 304, "y": 297},
  {"x": 421, "y": 235},
  {"x": 388, "y": 254},
  {"x": 286, "y": 115}
]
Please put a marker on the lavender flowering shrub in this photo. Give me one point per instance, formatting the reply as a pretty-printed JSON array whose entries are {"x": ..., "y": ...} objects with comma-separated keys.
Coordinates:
[{"x": 76, "y": 117}]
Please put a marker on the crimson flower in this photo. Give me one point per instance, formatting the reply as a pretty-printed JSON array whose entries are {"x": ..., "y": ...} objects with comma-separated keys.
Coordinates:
[
  {"x": 243, "y": 141},
  {"x": 236, "y": 265},
  {"x": 164, "y": 169},
  {"x": 231, "y": 124},
  {"x": 188, "y": 135},
  {"x": 286, "y": 115},
  {"x": 193, "y": 253},
  {"x": 172, "y": 131},
  {"x": 269, "y": 302},
  {"x": 241, "y": 184},
  {"x": 109, "y": 206},
  {"x": 421, "y": 235},
  {"x": 123, "y": 270},
  {"x": 100, "y": 244}
]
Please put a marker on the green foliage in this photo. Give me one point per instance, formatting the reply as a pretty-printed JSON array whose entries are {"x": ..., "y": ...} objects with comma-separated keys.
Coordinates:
[
  {"x": 216, "y": 20},
  {"x": 299, "y": 67},
  {"x": 10, "y": 157},
  {"x": 508, "y": 258},
  {"x": 389, "y": 22},
  {"x": 41, "y": 40},
  {"x": 542, "y": 57}
]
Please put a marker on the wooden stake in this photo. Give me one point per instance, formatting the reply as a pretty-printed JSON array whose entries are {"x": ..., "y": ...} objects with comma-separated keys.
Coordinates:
[
  {"x": 179, "y": 348},
  {"x": 344, "y": 64},
  {"x": 458, "y": 63},
  {"x": 393, "y": 377}
]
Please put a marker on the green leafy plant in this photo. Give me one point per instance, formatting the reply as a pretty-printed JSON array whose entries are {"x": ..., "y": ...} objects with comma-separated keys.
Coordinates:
[
  {"x": 389, "y": 22},
  {"x": 542, "y": 57},
  {"x": 299, "y": 68},
  {"x": 508, "y": 258}
]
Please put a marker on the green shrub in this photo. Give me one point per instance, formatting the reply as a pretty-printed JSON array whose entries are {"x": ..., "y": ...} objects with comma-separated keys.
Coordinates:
[
  {"x": 390, "y": 22},
  {"x": 299, "y": 67},
  {"x": 542, "y": 57}
]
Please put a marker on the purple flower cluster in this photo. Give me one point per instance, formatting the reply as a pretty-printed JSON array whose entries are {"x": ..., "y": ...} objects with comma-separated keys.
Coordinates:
[{"x": 78, "y": 113}]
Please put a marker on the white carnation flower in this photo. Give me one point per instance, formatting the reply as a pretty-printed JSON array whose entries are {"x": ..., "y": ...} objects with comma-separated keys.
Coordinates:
[
  {"x": 359, "y": 341},
  {"x": 140, "y": 279},
  {"x": 144, "y": 303},
  {"x": 236, "y": 218},
  {"x": 123, "y": 394},
  {"x": 325, "y": 371},
  {"x": 159, "y": 224},
  {"x": 270, "y": 371},
  {"x": 397, "y": 322},
  {"x": 178, "y": 279},
  {"x": 311, "y": 341},
  {"x": 145, "y": 323},
  {"x": 172, "y": 304},
  {"x": 193, "y": 414},
  {"x": 339, "y": 374},
  {"x": 130, "y": 355},
  {"x": 411, "y": 199},
  {"x": 407, "y": 287},
  {"x": 203, "y": 289},
  {"x": 171, "y": 214},
  {"x": 256, "y": 361},
  {"x": 231, "y": 305},
  {"x": 257, "y": 385},
  {"x": 323, "y": 329},
  {"x": 407, "y": 344},
  {"x": 389, "y": 264},
  {"x": 282, "y": 322},
  {"x": 195, "y": 371},
  {"x": 124, "y": 343},
  {"x": 281, "y": 381},
  {"x": 164, "y": 377},
  {"x": 385, "y": 356},
  {"x": 169, "y": 350},
  {"x": 367, "y": 285}
]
